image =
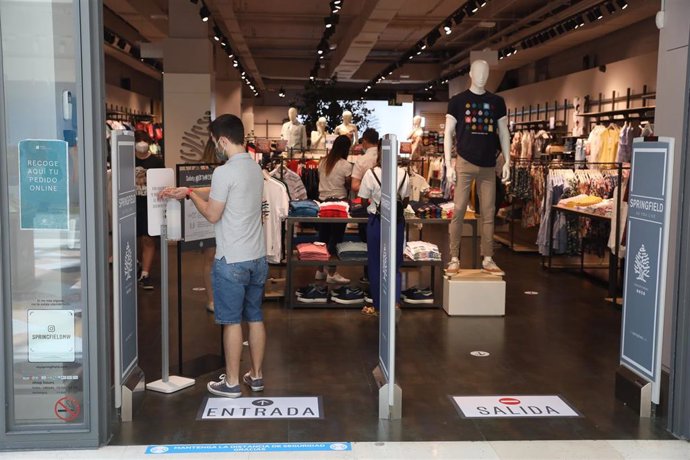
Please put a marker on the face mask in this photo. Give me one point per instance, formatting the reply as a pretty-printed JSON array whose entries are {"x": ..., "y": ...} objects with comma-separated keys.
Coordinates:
[
  {"x": 220, "y": 154},
  {"x": 142, "y": 147}
]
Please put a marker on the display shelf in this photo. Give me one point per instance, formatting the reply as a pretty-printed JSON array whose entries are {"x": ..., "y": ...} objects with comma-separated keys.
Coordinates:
[
  {"x": 625, "y": 112},
  {"x": 294, "y": 303},
  {"x": 334, "y": 261},
  {"x": 581, "y": 213}
]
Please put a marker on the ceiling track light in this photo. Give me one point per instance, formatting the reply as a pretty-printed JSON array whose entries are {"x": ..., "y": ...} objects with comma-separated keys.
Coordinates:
[
  {"x": 609, "y": 6},
  {"x": 622, "y": 4},
  {"x": 598, "y": 13},
  {"x": 216, "y": 33},
  {"x": 204, "y": 13},
  {"x": 448, "y": 27}
]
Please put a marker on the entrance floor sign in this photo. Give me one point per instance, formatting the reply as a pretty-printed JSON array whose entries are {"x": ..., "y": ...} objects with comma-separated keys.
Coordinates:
[
  {"x": 248, "y": 448},
  {"x": 512, "y": 406},
  {"x": 304, "y": 407}
]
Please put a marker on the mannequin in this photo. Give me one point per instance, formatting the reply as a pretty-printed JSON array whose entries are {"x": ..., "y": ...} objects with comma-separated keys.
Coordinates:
[
  {"x": 347, "y": 128},
  {"x": 477, "y": 119},
  {"x": 318, "y": 137},
  {"x": 416, "y": 137},
  {"x": 294, "y": 132}
]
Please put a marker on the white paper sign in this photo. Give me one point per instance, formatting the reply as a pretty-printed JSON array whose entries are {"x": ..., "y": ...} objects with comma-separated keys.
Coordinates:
[
  {"x": 512, "y": 406},
  {"x": 156, "y": 180},
  {"x": 51, "y": 336},
  {"x": 196, "y": 227},
  {"x": 308, "y": 407}
]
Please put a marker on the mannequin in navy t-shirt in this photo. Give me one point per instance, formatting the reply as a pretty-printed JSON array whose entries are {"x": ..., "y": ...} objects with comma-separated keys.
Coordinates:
[{"x": 477, "y": 121}]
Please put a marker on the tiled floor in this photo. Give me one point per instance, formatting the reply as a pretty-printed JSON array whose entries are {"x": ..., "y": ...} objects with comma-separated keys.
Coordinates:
[
  {"x": 563, "y": 341},
  {"x": 503, "y": 450}
]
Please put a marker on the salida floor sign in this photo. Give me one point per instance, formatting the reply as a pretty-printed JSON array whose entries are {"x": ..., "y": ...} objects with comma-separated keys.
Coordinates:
[
  {"x": 512, "y": 406},
  {"x": 308, "y": 407}
]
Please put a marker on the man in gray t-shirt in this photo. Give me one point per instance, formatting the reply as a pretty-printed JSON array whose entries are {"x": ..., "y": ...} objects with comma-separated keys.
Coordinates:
[{"x": 233, "y": 203}]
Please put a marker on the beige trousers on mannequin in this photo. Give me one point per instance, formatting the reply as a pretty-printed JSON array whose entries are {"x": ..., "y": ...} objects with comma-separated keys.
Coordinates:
[{"x": 486, "y": 187}]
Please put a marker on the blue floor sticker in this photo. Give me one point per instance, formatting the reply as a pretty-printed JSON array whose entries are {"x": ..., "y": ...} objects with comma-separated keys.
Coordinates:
[{"x": 239, "y": 448}]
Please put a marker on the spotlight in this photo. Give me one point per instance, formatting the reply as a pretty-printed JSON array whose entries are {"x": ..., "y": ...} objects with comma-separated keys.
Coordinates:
[
  {"x": 331, "y": 21},
  {"x": 482, "y": 3},
  {"x": 231, "y": 55},
  {"x": 448, "y": 28},
  {"x": 338, "y": 2},
  {"x": 580, "y": 21},
  {"x": 216, "y": 33},
  {"x": 471, "y": 8},
  {"x": 597, "y": 12},
  {"x": 235, "y": 64},
  {"x": 311, "y": 77},
  {"x": 421, "y": 46},
  {"x": 204, "y": 13},
  {"x": 335, "y": 7},
  {"x": 609, "y": 6},
  {"x": 224, "y": 42},
  {"x": 622, "y": 4}
]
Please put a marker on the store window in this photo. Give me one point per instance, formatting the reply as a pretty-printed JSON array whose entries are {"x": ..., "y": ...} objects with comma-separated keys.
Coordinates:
[{"x": 47, "y": 331}]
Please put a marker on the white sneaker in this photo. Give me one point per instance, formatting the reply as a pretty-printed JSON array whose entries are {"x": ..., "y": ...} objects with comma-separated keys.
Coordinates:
[
  {"x": 320, "y": 276},
  {"x": 337, "y": 278},
  {"x": 453, "y": 266},
  {"x": 490, "y": 266}
]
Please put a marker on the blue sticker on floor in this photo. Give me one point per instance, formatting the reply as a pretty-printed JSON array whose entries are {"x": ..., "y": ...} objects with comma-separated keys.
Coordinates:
[{"x": 240, "y": 448}]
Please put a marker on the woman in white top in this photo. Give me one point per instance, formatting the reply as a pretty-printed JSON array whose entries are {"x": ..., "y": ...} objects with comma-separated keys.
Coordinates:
[
  {"x": 370, "y": 189},
  {"x": 334, "y": 180}
]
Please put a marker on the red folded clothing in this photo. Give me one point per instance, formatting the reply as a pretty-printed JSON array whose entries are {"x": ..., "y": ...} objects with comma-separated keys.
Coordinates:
[{"x": 313, "y": 251}]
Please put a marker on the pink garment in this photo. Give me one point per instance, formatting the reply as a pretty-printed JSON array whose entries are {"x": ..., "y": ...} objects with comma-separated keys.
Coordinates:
[{"x": 313, "y": 251}]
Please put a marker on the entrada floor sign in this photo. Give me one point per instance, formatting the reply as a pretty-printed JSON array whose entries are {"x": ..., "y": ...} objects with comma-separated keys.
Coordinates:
[
  {"x": 308, "y": 407},
  {"x": 512, "y": 406}
]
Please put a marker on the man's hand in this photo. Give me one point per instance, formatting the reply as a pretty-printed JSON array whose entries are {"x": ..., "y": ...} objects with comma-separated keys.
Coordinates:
[
  {"x": 176, "y": 193},
  {"x": 505, "y": 178},
  {"x": 450, "y": 175}
]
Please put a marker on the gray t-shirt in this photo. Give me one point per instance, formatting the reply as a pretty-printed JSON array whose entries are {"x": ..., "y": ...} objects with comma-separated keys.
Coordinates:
[
  {"x": 333, "y": 184},
  {"x": 239, "y": 233}
]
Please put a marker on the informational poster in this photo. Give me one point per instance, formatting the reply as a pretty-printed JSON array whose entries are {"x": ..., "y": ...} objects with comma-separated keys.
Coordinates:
[
  {"x": 124, "y": 252},
  {"x": 645, "y": 265},
  {"x": 156, "y": 180},
  {"x": 197, "y": 229},
  {"x": 51, "y": 336},
  {"x": 43, "y": 185}
]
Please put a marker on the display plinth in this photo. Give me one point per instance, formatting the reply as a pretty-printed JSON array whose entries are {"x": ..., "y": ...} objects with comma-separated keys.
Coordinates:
[
  {"x": 474, "y": 293},
  {"x": 174, "y": 383}
]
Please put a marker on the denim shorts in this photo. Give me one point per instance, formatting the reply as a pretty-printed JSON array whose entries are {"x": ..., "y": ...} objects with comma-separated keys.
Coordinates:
[{"x": 238, "y": 290}]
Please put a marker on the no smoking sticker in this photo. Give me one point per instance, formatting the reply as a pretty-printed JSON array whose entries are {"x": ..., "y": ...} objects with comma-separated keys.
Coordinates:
[{"x": 67, "y": 409}]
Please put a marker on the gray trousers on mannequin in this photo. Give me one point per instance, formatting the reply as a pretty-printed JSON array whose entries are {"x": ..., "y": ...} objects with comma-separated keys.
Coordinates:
[{"x": 485, "y": 178}]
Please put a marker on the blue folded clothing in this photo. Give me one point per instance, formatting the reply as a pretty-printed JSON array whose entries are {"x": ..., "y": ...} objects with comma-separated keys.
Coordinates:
[{"x": 304, "y": 208}]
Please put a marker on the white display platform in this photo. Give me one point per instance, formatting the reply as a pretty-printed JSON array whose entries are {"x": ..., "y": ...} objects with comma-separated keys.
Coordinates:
[{"x": 474, "y": 293}]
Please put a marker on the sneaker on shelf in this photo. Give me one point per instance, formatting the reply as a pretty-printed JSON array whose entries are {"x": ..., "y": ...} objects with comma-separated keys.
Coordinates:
[
  {"x": 347, "y": 295},
  {"x": 146, "y": 283},
  {"x": 407, "y": 292},
  {"x": 367, "y": 296},
  {"x": 370, "y": 311},
  {"x": 489, "y": 266},
  {"x": 221, "y": 388},
  {"x": 320, "y": 276},
  {"x": 420, "y": 296},
  {"x": 210, "y": 307},
  {"x": 337, "y": 278},
  {"x": 453, "y": 266},
  {"x": 300, "y": 291},
  {"x": 364, "y": 280},
  {"x": 254, "y": 384},
  {"x": 315, "y": 294}
]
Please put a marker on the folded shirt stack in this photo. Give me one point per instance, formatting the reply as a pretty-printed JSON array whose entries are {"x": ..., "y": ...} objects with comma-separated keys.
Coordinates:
[
  {"x": 338, "y": 209},
  {"x": 427, "y": 211},
  {"x": 422, "y": 251},
  {"x": 313, "y": 251},
  {"x": 447, "y": 210},
  {"x": 352, "y": 251},
  {"x": 304, "y": 208}
]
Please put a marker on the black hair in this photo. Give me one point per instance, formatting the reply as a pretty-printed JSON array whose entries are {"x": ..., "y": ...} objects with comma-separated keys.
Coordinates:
[
  {"x": 340, "y": 150},
  {"x": 371, "y": 136},
  {"x": 142, "y": 136},
  {"x": 229, "y": 126}
]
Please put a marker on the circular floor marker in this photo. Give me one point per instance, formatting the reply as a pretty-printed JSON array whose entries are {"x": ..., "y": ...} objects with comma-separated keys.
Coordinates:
[
  {"x": 531, "y": 293},
  {"x": 198, "y": 289},
  {"x": 480, "y": 354}
]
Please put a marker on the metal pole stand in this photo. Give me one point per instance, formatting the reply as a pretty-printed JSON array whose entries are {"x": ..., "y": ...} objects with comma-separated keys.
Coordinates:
[{"x": 168, "y": 383}]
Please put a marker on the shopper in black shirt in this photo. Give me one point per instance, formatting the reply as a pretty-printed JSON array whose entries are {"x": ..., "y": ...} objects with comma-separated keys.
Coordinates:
[{"x": 144, "y": 160}]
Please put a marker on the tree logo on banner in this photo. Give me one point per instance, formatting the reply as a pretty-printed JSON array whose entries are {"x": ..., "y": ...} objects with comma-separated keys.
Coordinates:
[
  {"x": 641, "y": 266},
  {"x": 128, "y": 262}
]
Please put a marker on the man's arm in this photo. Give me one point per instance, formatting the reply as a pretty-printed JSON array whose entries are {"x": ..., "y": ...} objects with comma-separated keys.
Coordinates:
[{"x": 211, "y": 209}]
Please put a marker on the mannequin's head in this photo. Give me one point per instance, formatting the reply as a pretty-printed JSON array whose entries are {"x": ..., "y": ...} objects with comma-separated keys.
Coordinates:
[
  {"x": 292, "y": 114},
  {"x": 479, "y": 73},
  {"x": 417, "y": 121},
  {"x": 347, "y": 117},
  {"x": 321, "y": 124}
]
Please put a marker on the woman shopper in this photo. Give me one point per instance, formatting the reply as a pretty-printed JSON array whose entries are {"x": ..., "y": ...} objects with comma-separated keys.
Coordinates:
[
  {"x": 370, "y": 189},
  {"x": 144, "y": 160},
  {"x": 334, "y": 181}
]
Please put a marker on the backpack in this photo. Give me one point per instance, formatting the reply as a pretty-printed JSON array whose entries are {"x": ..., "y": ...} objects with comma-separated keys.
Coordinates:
[{"x": 400, "y": 207}]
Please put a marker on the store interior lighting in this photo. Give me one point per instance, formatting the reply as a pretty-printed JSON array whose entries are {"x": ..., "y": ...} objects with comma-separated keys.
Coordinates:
[
  {"x": 598, "y": 13},
  {"x": 609, "y": 6},
  {"x": 622, "y": 4},
  {"x": 204, "y": 13}
]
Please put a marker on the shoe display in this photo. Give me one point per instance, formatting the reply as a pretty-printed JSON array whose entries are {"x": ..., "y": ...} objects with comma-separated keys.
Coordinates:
[
  {"x": 347, "y": 295},
  {"x": 254, "y": 384},
  {"x": 313, "y": 294},
  {"x": 370, "y": 311},
  {"x": 364, "y": 280},
  {"x": 407, "y": 292},
  {"x": 320, "y": 276},
  {"x": 367, "y": 296},
  {"x": 146, "y": 283},
  {"x": 419, "y": 296},
  {"x": 489, "y": 266},
  {"x": 337, "y": 278},
  {"x": 221, "y": 388},
  {"x": 453, "y": 266}
]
